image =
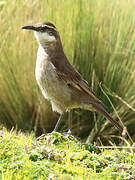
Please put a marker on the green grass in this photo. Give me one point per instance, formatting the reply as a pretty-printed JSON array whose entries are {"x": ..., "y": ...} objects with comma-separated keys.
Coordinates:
[
  {"x": 60, "y": 157},
  {"x": 99, "y": 40}
]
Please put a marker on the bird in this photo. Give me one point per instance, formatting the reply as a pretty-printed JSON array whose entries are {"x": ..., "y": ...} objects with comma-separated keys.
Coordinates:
[{"x": 59, "y": 82}]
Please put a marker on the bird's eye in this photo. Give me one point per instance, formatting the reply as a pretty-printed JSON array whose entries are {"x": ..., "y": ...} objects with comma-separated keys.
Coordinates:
[
  {"x": 50, "y": 33},
  {"x": 41, "y": 29}
]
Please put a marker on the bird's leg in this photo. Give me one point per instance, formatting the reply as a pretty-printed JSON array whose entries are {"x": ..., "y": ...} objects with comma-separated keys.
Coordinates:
[
  {"x": 70, "y": 126},
  {"x": 55, "y": 129},
  {"x": 58, "y": 122},
  {"x": 69, "y": 122}
]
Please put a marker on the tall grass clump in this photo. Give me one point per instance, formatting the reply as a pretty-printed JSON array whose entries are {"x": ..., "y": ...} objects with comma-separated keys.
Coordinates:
[{"x": 99, "y": 40}]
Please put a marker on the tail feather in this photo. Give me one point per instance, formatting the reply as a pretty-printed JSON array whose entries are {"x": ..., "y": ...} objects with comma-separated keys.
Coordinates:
[{"x": 99, "y": 108}]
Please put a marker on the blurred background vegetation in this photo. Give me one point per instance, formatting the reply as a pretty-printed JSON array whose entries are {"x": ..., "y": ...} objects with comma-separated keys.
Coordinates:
[{"x": 99, "y": 40}]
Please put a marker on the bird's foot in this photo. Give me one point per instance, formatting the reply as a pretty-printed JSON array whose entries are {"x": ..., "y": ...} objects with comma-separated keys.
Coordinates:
[
  {"x": 69, "y": 133},
  {"x": 46, "y": 134},
  {"x": 41, "y": 137}
]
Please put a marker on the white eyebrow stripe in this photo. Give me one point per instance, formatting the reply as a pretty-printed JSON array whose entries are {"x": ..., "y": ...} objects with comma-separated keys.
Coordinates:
[{"x": 49, "y": 27}]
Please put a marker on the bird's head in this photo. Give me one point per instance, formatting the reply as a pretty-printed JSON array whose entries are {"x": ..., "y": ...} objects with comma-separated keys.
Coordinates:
[{"x": 44, "y": 32}]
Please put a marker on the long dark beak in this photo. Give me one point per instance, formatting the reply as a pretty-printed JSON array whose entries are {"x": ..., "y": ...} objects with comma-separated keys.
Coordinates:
[{"x": 30, "y": 28}]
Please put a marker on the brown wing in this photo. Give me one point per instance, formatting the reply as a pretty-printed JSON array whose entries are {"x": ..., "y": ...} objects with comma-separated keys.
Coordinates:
[{"x": 68, "y": 74}]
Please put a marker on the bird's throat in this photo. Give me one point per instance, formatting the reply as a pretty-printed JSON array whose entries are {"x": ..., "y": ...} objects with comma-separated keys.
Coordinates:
[{"x": 52, "y": 48}]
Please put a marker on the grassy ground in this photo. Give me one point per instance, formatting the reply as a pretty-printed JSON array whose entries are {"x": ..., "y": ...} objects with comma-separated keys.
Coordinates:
[
  {"x": 99, "y": 40},
  {"x": 59, "y": 157}
]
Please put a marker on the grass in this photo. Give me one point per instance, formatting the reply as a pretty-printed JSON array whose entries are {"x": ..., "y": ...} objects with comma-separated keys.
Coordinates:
[
  {"x": 60, "y": 157},
  {"x": 99, "y": 40}
]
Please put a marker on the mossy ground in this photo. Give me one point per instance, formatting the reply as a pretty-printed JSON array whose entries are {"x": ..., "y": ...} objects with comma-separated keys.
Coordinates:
[
  {"x": 99, "y": 41},
  {"x": 60, "y": 157}
]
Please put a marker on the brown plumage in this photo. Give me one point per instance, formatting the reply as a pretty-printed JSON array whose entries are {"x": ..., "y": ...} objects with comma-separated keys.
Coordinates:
[{"x": 59, "y": 82}]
